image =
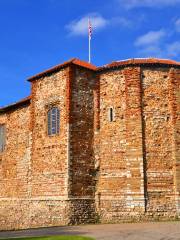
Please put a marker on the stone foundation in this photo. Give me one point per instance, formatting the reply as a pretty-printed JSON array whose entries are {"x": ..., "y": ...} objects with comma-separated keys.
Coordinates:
[
  {"x": 82, "y": 211},
  {"x": 22, "y": 214}
]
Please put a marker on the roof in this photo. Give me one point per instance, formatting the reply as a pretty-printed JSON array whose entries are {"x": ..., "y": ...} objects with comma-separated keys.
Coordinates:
[
  {"x": 21, "y": 103},
  {"x": 140, "y": 62},
  {"x": 74, "y": 61},
  {"x": 122, "y": 63}
]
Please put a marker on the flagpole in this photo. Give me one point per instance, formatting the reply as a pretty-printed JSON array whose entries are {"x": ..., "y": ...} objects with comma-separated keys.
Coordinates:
[
  {"x": 89, "y": 49},
  {"x": 89, "y": 34}
]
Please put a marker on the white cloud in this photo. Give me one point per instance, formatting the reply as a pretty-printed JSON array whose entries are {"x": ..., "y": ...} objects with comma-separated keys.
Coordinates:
[
  {"x": 170, "y": 50},
  {"x": 156, "y": 44},
  {"x": 173, "y": 49},
  {"x": 148, "y": 3},
  {"x": 152, "y": 37},
  {"x": 177, "y": 25},
  {"x": 80, "y": 26}
]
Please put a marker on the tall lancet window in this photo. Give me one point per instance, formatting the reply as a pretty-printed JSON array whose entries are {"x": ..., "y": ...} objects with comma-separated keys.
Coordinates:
[{"x": 53, "y": 121}]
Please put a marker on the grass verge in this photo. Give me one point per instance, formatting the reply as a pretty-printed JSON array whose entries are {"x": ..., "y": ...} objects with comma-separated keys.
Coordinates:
[{"x": 50, "y": 238}]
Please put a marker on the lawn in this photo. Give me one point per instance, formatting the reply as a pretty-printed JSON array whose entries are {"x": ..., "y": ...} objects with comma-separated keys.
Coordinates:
[{"x": 51, "y": 238}]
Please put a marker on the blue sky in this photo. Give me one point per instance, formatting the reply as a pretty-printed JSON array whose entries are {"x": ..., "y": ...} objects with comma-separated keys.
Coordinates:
[{"x": 37, "y": 34}]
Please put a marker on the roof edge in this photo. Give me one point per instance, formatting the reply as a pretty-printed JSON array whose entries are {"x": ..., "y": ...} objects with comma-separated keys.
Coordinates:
[
  {"x": 112, "y": 65},
  {"x": 140, "y": 62},
  {"x": 21, "y": 103},
  {"x": 74, "y": 61}
]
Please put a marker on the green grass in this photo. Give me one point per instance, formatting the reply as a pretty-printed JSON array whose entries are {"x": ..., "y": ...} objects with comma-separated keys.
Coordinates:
[{"x": 51, "y": 238}]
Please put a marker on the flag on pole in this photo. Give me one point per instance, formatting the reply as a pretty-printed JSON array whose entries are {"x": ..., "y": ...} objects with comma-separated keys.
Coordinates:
[
  {"x": 90, "y": 28},
  {"x": 90, "y": 35}
]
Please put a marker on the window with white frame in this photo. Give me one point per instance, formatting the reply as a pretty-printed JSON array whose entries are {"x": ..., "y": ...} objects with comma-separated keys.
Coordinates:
[{"x": 53, "y": 121}]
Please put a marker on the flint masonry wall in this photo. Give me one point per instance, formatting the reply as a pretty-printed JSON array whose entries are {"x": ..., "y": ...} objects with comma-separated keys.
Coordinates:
[
  {"x": 158, "y": 142},
  {"x": 174, "y": 96},
  {"x": 120, "y": 188},
  {"x": 81, "y": 152},
  {"x": 49, "y": 167},
  {"x": 14, "y": 169},
  {"x": 138, "y": 152},
  {"x": 34, "y": 167}
]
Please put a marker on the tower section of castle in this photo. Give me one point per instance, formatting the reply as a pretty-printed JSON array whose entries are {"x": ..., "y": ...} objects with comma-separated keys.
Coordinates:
[{"x": 137, "y": 141}]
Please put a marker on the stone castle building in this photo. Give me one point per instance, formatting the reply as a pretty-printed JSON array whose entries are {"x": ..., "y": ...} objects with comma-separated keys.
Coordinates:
[{"x": 92, "y": 145}]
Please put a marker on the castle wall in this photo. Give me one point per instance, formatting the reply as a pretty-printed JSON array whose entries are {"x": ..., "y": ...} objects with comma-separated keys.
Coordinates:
[
  {"x": 49, "y": 167},
  {"x": 174, "y": 96},
  {"x": 138, "y": 152},
  {"x": 158, "y": 142},
  {"x": 111, "y": 141},
  {"x": 34, "y": 167},
  {"x": 120, "y": 189},
  {"x": 94, "y": 169},
  {"x": 14, "y": 169},
  {"x": 81, "y": 168}
]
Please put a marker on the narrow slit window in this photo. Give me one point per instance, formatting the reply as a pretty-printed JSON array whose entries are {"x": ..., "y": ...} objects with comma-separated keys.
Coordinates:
[
  {"x": 2, "y": 138},
  {"x": 111, "y": 114},
  {"x": 53, "y": 121}
]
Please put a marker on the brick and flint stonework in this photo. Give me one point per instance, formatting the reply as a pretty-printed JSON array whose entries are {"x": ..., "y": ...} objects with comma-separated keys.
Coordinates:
[{"x": 95, "y": 169}]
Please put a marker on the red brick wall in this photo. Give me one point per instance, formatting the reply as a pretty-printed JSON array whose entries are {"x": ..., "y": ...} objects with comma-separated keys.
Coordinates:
[{"x": 134, "y": 139}]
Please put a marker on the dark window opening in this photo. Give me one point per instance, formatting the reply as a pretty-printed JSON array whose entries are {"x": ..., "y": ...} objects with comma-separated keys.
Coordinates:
[
  {"x": 111, "y": 115},
  {"x": 53, "y": 121}
]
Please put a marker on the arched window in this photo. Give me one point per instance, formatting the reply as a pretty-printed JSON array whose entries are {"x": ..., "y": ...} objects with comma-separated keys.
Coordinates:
[{"x": 53, "y": 121}]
